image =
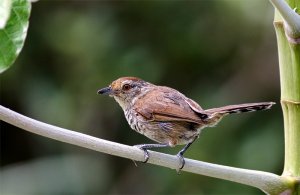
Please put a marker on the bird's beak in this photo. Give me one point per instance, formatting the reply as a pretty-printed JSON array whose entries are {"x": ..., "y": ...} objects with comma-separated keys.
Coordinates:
[{"x": 105, "y": 91}]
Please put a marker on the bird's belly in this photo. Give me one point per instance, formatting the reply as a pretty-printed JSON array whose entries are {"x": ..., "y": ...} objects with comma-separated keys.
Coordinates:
[
  {"x": 177, "y": 135},
  {"x": 171, "y": 133}
]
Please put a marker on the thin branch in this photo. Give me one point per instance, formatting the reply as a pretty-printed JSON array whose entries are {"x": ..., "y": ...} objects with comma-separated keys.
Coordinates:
[
  {"x": 291, "y": 18},
  {"x": 268, "y": 182}
]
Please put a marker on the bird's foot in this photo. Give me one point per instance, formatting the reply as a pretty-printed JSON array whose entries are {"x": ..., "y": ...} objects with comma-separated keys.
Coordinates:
[
  {"x": 145, "y": 148},
  {"x": 146, "y": 153},
  {"x": 181, "y": 162}
]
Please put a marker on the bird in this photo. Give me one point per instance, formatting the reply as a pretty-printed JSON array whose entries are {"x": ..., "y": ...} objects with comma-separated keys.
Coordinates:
[{"x": 167, "y": 116}]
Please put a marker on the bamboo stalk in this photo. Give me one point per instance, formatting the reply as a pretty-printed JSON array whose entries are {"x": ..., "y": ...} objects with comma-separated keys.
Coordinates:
[{"x": 289, "y": 65}]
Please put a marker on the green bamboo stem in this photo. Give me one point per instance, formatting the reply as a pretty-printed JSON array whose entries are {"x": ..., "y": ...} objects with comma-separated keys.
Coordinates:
[{"x": 289, "y": 65}]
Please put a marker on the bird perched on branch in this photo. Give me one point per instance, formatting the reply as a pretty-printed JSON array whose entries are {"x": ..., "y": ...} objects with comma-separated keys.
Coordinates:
[{"x": 167, "y": 116}]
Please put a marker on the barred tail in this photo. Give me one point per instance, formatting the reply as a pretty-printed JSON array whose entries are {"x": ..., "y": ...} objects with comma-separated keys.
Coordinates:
[{"x": 251, "y": 107}]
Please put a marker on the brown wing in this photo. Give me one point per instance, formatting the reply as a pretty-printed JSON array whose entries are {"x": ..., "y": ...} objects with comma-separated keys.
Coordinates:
[{"x": 166, "y": 104}]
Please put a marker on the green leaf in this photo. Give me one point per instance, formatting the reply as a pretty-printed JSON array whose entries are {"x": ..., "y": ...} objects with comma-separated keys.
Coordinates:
[
  {"x": 5, "y": 6},
  {"x": 12, "y": 37}
]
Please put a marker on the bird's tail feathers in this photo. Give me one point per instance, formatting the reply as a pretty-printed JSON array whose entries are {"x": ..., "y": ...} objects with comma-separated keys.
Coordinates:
[{"x": 239, "y": 108}]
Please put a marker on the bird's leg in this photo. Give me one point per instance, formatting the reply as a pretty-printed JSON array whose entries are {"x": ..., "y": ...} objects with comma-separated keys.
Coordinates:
[
  {"x": 181, "y": 152},
  {"x": 145, "y": 148}
]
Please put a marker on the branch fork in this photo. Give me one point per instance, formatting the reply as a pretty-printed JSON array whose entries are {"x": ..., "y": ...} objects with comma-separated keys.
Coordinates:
[{"x": 291, "y": 20}]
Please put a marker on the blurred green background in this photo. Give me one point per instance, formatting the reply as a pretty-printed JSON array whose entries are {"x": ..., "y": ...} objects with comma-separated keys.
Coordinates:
[{"x": 216, "y": 52}]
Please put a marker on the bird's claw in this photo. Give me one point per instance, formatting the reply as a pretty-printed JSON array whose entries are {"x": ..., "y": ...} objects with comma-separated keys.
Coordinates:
[
  {"x": 181, "y": 162},
  {"x": 146, "y": 153}
]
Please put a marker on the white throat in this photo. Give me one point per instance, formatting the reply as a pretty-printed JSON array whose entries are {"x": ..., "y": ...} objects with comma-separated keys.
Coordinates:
[{"x": 121, "y": 103}]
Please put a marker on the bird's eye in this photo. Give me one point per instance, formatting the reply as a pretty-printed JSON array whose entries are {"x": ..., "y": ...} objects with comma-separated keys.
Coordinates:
[{"x": 126, "y": 87}]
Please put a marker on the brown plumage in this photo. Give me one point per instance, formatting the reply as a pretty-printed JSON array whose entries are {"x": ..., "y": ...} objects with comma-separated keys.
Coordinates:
[{"x": 165, "y": 115}]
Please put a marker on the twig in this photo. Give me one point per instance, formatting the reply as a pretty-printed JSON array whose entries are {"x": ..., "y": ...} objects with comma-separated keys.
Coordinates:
[{"x": 268, "y": 182}]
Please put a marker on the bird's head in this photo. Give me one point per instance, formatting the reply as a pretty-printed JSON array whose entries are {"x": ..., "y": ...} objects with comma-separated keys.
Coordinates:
[{"x": 125, "y": 89}]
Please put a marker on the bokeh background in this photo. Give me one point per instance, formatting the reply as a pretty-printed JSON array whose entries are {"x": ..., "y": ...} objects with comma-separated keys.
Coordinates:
[{"x": 216, "y": 52}]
